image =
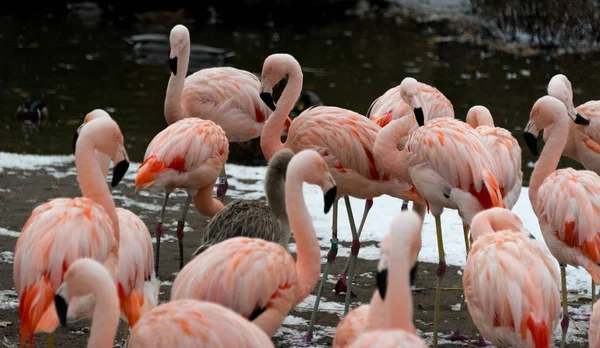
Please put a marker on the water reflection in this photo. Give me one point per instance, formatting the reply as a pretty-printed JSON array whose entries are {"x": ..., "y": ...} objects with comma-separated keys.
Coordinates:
[{"x": 348, "y": 63}]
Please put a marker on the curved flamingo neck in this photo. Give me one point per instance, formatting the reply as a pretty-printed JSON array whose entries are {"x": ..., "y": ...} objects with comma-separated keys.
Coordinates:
[
  {"x": 489, "y": 222},
  {"x": 173, "y": 108},
  {"x": 398, "y": 289},
  {"x": 270, "y": 139},
  {"x": 105, "y": 318},
  {"x": 308, "y": 252},
  {"x": 92, "y": 181},
  {"x": 205, "y": 203},
  {"x": 385, "y": 147},
  {"x": 550, "y": 156},
  {"x": 480, "y": 119}
]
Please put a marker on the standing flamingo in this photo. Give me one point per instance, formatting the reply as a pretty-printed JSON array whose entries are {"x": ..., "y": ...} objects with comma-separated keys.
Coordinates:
[
  {"x": 563, "y": 199},
  {"x": 188, "y": 154},
  {"x": 259, "y": 279},
  {"x": 344, "y": 139},
  {"x": 594, "y": 328},
  {"x": 62, "y": 230},
  {"x": 391, "y": 306},
  {"x": 511, "y": 283},
  {"x": 451, "y": 167},
  {"x": 186, "y": 323},
  {"x": 505, "y": 150},
  {"x": 583, "y": 141}
]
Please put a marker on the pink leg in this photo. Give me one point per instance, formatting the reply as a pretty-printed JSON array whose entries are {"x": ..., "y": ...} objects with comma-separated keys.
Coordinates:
[
  {"x": 159, "y": 233},
  {"x": 180, "y": 225}
]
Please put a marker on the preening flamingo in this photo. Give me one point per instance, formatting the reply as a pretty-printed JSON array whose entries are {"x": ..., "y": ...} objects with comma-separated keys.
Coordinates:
[
  {"x": 259, "y": 279},
  {"x": 188, "y": 154},
  {"x": 583, "y": 142},
  {"x": 428, "y": 102},
  {"x": 563, "y": 199},
  {"x": 62, "y": 230},
  {"x": 511, "y": 282},
  {"x": 344, "y": 139},
  {"x": 505, "y": 150},
  {"x": 391, "y": 306},
  {"x": 254, "y": 219},
  {"x": 451, "y": 168}
]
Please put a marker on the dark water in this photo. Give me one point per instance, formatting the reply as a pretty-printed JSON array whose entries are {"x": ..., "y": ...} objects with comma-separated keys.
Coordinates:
[{"x": 348, "y": 63}]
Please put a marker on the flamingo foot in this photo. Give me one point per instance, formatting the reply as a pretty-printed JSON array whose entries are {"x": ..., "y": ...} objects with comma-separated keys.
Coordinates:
[
  {"x": 307, "y": 338},
  {"x": 441, "y": 270},
  {"x": 222, "y": 188},
  {"x": 564, "y": 323},
  {"x": 456, "y": 336},
  {"x": 482, "y": 342}
]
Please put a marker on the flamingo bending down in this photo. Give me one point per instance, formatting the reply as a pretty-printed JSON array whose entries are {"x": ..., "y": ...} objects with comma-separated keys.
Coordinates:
[
  {"x": 188, "y": 154},
  {"x": 259, "y": 279},
  {"x": 563, "y": 199},
  {"x": 254, "y": 219},
  {"x": 583, "y": 141},
  {"x": 391, "y": 305},
  {"x": 518, "y": 303},
  {"x": 186, "y": 323},
  {"x": 344, "y": 139},
  {"x": 224, "y": 95},
  {"x": 505, "y": 150},
  {"x": 451, "y": 167},
  {"x": 62, "y": 230}
]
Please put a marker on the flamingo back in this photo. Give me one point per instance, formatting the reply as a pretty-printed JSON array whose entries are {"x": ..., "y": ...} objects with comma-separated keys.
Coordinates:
[
  {"x": 388, "y": 339},
  {"x": 512, "y": 287},
  {"x": 569, "y": 202},
  {"x": 190, "y": 324},
  {"x": 435, "y": 104},
  {"x": 351, "y": 326},
  {"x": 56, "y": 234},
  {"x": 456, "y": 152},
  {"x": 228, "y": 96},
  {"x": 180, "y": 149},
  {"x": 244, "y": 274},
  {"x": 594, "y": 328},
  {"x": 591, "y": 111},
  {"x": 388, "y": 107}
]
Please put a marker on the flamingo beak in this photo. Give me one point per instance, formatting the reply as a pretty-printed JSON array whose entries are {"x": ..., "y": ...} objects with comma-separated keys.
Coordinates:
[
  {"x": 531, "y": 142},
  {"x": 173, "y": 65},
  {"x": 75, "y": 137},
  {"x": 381, "y": 279},
  {"x": 419, "y": 116},
  {"x": 330, "y": 198},
  {"x": 413, "y": 273},
  {"x": 62, "y": 308},
  {"x": 580, "y": 120},
  {"x": 119, "y": 172},
  {"x": 267, "y": 98}
]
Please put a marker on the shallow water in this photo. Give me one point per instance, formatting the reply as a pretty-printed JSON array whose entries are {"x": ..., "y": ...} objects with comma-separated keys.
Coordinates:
[{"x": 348, "y": 63}]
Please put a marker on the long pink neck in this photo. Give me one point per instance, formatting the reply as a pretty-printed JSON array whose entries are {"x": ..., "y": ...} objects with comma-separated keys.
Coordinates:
[
  {"x": 173, "y": 109},
  {"x": 490, "y": 222},
  {"x": 398, "y": 301},
  {"x": 205, "y": 203},
  {"x": 308, "y": 252},
  {"x": 480, "y": 119},
  {"x": 550, "y": 156},
  {"x": 105, "y": 318},
  {"x": 385, "y": 147},
  {"x": 270, "y": 139},
  {"x": 92, "y": 182}
]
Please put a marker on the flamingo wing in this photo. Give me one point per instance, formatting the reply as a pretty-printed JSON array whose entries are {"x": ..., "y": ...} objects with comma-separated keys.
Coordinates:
[
  {"x": 243, "y": 274},
  {"x": 512, "y": 286},
  {"x": 344, "y": 138},
  {"x": 591, "y": 112},
  {"x": 190, "y": 323},
  {"x": 182, "y": 148},
  {"x": 388, "y": 107},
  {"x": 435, "y": 104},
  {"x": 388, "y": 339}
]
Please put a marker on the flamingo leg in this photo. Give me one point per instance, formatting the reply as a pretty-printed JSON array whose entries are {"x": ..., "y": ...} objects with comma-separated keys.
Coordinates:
[
  {"x": 180, "y": 225},
  {"x": 441, "y": 271},
  {"x": 341, "y": 285},
  {"x": 223, "y": 185},
  {"x": 564, "y": 324},
  {"x": 124, "y": 330},
  {"x": 593, "y": 292},
  {"x": 159, "y": 232},
  {"x": 466, "y": 234},
  {"x": 353, "y": 252},
  {"x": 330, "y": 260},
  {"x": 51, "y": 340}
]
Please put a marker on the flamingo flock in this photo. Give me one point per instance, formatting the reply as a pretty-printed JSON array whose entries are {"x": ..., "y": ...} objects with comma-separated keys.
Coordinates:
[{"x": 83, "y": 257}]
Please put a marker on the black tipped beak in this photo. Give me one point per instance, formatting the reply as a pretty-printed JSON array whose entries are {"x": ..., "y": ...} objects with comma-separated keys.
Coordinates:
[
  {"x": 268, "y": 99},
  {"x": 580, "y": 120},
  {"x": 381, "y": 279},
  {"x": 531, "y": 142},
  {"x": 75, "y": 137},
  {"x": 119, "y": 172},
  {"x": 531, "y": 236},
  {"x": 413, "y": 274},
  {"x": 61, "y": 309},
  {"x": 447, "y": 192},
  {"x": 330, "y": 198},
  {"x": 419, "y": 116},
  {"x": 173, "y": 65}
]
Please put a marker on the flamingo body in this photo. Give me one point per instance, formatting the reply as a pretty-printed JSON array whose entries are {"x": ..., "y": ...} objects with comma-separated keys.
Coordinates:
[{"x": 351, "y": 326}]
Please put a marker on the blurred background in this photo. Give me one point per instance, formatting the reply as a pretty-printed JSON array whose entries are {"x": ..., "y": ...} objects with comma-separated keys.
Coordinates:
[{"x": 59, "y": 61}]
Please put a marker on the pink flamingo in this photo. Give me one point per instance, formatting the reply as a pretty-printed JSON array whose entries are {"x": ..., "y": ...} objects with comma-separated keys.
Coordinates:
[
  {"x": 505, "y": 150},
  {"x": 188, "y": 154},
  {"x": 224, "y": 95},
  {"x": 259, "y": 279},
  {"x": 594, "y": 328},
  {"x": 511, "y": 282},
  {"x": 344, "y": 139},
  {"x": 62, "y": 230},
  {"x": 451, "y": 167},
  {"x": 563, "y": 199},
  {"x": 185, "y": 323},
  {"x": 583, "y": 141},
  {"x": 391, "y": 306},
  {"x": 428, "y": 102}
]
